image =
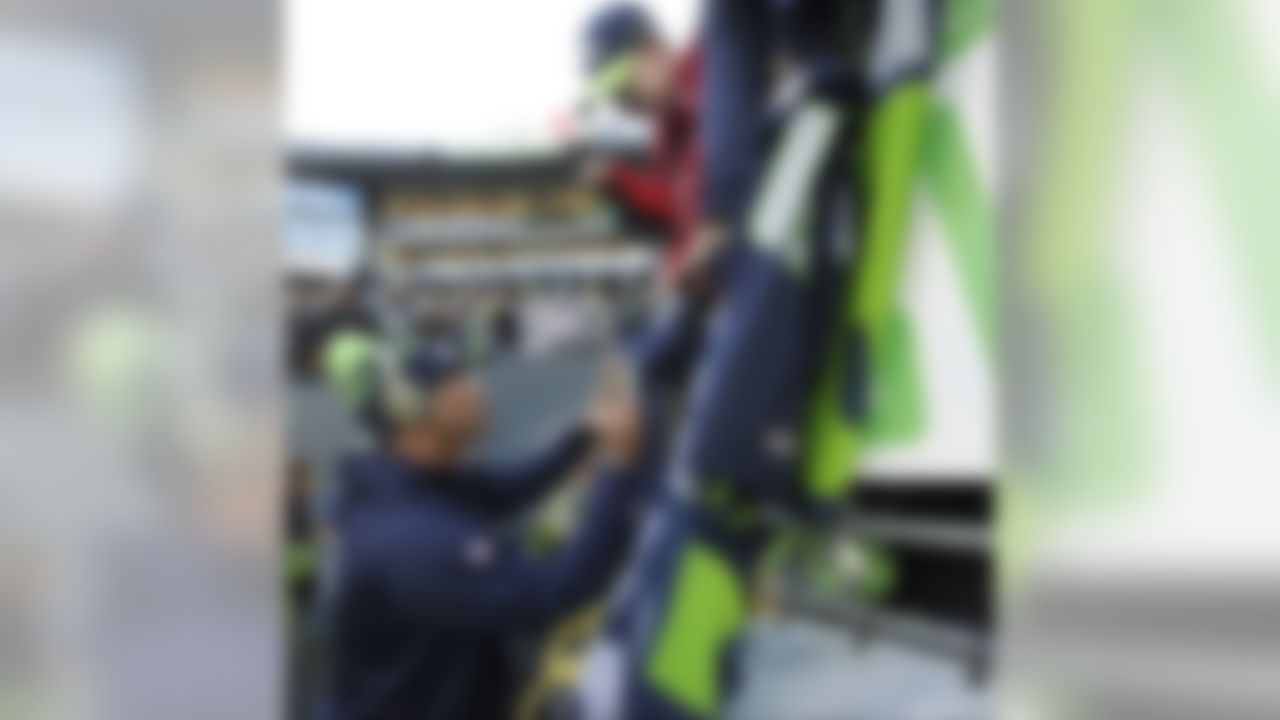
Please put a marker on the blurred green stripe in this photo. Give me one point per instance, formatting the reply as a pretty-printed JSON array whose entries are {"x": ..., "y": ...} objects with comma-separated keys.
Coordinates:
[
  {"x": 964, "y": 23},
  {"x": 951, "y": 175}
]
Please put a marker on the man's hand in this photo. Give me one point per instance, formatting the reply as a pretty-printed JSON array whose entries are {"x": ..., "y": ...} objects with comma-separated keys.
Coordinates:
[
  {"x": 617, "y": 427},
  {"x": 614, "y": 417},
  {"x": 695, "y": 276}
]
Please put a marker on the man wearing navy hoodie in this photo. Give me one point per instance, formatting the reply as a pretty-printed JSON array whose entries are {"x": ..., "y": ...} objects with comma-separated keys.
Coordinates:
[{"x": 430, "y": 590}]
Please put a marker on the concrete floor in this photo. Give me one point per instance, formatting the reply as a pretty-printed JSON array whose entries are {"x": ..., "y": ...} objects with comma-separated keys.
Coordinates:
[{"x": 799, "y": 670}]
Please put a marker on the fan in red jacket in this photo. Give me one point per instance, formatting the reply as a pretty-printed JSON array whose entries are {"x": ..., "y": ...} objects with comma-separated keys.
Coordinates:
[{"x": 632, "y": 64}]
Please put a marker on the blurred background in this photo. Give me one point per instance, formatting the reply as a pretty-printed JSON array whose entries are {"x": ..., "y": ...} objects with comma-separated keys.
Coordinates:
[{"x": 191, "y": 192}]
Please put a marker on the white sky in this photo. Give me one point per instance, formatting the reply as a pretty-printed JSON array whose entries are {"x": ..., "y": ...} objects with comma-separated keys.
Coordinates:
[{"x": 455, "y": 73}]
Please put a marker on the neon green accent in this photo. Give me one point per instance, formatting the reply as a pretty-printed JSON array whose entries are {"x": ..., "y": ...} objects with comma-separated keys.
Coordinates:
[
  {"x": 965, "y": 22},
  {"x": 895, "y": 144},
  {"x": 610, "y": 79},
  {"x": 346, "y": 365},
  {"x": 951, "y": 175},
  {"x": 708, "y": 608},
  {"x": 553, "y": 522},
  {"x": 893, "y": 147},
  {"x": 897, "y": 400}
]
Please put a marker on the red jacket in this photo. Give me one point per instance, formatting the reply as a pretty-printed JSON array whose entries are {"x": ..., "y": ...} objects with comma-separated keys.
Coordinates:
[{"x": 668, "y": 191}]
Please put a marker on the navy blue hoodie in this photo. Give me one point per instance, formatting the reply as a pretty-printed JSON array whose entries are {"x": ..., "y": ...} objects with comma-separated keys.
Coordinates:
[{"x": 430, "y": 592}]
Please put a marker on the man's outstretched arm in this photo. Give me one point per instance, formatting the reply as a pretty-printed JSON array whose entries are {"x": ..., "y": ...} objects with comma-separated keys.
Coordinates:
[
  {"x": 482, "y": 585},
  {"x": 509, "y": 488}
]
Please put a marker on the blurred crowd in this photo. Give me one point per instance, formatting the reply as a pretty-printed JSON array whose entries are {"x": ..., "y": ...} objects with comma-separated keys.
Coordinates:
[{"x": 531, "y": 320}]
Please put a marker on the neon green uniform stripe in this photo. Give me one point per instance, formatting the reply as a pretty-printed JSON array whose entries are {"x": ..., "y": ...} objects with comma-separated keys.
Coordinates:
[
  {"x": 707, "y": 611},
  {"x": 898, "y": 411},
  {"x": 951, "y": 176},
  {"x": 894, "y": 144},
  {"x": 964, "y": 23}
]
